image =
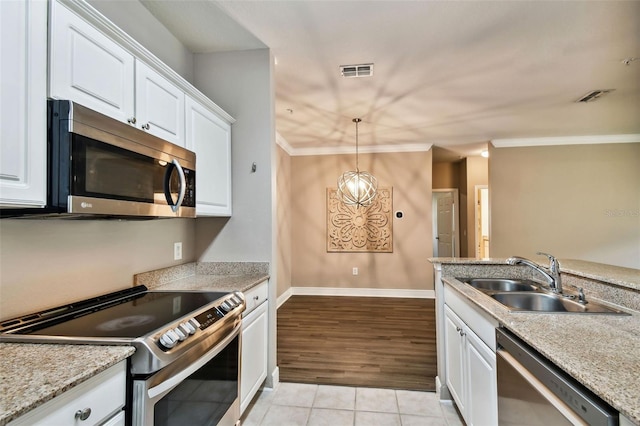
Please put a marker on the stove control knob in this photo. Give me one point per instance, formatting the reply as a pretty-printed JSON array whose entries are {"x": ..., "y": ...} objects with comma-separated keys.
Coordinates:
[
  {"x": 225, "y": 307},
  {"x": 194, "y": 323},
  {"x": 169, "y": 339},
  {"x": 181, "y": 334},
  {"x": 187, "y": 328}
]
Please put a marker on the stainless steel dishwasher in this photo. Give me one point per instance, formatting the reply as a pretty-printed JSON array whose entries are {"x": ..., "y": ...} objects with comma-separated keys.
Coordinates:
[{"x": 533, "y": 391}]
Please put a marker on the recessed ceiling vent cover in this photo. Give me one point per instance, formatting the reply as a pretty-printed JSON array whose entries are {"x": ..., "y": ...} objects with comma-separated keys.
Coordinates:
[
  {"x": 362, "y": 70},
  {"x": 593, "y": 95}
]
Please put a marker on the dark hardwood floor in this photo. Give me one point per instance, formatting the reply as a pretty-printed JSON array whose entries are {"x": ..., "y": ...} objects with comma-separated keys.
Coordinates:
[{"x": 358, "y": 341}]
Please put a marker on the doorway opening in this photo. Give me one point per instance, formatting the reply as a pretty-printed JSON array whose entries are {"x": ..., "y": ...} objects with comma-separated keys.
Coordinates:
[
  {"x": 446, "y": 234},
  {"x": 482, "y": 222}
]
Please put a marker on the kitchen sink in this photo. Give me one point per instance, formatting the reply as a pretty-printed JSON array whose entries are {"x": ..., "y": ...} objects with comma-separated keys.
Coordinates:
[
  {"x": 548, "y": 302},
  {"x": 500, "y": 284}
]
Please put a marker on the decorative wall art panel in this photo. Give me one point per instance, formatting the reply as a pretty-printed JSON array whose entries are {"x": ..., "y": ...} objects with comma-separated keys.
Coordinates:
[{"x": 360, "y": 229}]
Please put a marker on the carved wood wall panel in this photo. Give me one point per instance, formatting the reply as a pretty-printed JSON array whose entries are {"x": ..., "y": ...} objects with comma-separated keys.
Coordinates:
[{"x": 363, "y": 229}]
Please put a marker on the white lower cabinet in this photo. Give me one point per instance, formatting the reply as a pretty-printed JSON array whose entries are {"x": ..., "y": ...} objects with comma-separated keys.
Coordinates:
[
  {"x": 99, "y": 400},
  {"x": 253, "y": 366},
  {"x": 470, "y": 362}
]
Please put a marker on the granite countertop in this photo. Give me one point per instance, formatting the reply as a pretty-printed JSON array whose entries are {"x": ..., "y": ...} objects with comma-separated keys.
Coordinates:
[
  {"x": 206, "y": 276},
  {"x": 600, "y": 351},
  {"x": 32, "y": 374}
]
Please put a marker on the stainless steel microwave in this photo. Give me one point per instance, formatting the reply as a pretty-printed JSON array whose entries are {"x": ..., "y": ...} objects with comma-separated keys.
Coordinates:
[{"x": 101, "y": 166}]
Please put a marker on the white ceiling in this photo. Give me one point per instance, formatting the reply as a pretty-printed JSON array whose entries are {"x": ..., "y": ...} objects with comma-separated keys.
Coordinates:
[{"x": 455, "y": 74}]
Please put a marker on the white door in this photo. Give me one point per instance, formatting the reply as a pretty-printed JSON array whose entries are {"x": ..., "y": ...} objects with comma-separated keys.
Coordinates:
[
  {"x": 87, "y": 67},
  {"x": 445, "y": 223},
  {"x": 159, "y": 105}
]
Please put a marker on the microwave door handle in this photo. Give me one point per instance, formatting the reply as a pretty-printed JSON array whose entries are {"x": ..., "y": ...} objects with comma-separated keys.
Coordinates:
[{"x": 183, "y": 185}]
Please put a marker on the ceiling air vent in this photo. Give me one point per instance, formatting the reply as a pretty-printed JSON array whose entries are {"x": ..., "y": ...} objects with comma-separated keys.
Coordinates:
[
  {"x": 362, "y": 70},
  {"x": 593, "y": 95}
]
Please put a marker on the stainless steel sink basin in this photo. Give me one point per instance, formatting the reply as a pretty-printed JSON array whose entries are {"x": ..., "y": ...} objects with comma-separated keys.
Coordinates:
[
  {"x": 500, "y": 284},
  {"x": 546, "y": 302}
]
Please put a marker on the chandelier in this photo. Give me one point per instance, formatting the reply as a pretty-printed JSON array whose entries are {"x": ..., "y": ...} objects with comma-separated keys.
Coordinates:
[{"x": 356, "y": 188}]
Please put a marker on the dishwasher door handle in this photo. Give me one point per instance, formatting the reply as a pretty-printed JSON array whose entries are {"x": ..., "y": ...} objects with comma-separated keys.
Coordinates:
[{"x": 536, "y": 384}]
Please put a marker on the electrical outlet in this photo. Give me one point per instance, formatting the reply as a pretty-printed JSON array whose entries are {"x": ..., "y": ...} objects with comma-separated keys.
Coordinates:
[
  {"x": 355, "y": 271},
  {"x": 177, "y": 251}
]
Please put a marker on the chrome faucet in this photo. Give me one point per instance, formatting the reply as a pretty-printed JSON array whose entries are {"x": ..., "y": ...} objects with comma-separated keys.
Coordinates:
[{"x": 552, "y": 277}]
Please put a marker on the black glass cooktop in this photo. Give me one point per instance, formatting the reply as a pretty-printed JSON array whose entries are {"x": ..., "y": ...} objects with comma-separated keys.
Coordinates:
[{"x": 131, "y": 317}]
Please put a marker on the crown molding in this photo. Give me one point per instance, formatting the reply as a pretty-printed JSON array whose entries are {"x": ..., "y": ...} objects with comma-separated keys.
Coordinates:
[
  {"x": 335, "y": 150},
  {"x": 566, "y": 140},
  {"x": 284, "y": 144}
]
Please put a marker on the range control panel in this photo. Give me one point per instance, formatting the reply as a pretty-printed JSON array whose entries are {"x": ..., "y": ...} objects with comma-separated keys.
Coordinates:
[{"x": 184, "y": 330}]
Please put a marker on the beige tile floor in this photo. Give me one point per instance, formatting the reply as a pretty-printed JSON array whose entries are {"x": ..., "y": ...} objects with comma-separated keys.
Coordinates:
[{"x": 296, "y": 404}]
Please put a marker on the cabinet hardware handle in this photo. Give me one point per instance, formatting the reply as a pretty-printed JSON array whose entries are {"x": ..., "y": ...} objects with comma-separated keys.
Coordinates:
[
  {"x": 132, "y": 120},
  {"x": 256, "y": 297},
  {"x": 83, "y": 414},
  {"x": 458, "y": 329},
  {"x": 146, "y": 126}
]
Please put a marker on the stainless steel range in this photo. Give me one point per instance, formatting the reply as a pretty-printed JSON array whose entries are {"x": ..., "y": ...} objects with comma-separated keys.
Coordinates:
[{"x": 186, "y": 366}]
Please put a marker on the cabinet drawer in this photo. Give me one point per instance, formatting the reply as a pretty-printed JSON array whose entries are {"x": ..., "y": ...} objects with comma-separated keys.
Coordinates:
[
  {"x": 255, "y": 296},
  {"x": 104, "y": 394}
]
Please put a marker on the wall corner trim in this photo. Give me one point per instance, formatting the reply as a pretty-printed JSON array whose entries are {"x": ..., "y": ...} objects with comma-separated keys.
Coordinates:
[{"x": 566, "y": 140}]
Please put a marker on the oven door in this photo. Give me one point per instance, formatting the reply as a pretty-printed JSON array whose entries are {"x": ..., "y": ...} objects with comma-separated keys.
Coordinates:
[{"x": 200, "y": 391}]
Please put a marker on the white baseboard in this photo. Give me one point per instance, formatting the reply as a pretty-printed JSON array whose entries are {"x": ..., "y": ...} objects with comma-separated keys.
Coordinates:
[{"x": 355, "y": 292}]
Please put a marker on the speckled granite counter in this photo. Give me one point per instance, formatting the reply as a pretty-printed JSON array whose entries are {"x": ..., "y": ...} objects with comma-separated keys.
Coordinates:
[
  {"x": 601, "y": 351},
  {"x": 208, "y": 276},
  {"x": 32, "y": 374}
]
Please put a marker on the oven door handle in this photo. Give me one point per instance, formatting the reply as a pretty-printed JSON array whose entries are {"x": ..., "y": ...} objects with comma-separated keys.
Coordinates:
[
  {"x": 176, "y": 379},
  {"x": 533, "y": 381}
]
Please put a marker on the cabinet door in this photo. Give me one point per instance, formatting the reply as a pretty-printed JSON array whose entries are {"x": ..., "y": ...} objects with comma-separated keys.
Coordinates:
[
  {"x": 454, "y": 362},
  {"x": 482, "y": 404},
  {"x": 159, "y": 105},
  {"x": 210, "y": 138},
  {"x": 253, "y": 367},
  {"x": 89, "y": 68},
  {"x": 23, "y": 84}
]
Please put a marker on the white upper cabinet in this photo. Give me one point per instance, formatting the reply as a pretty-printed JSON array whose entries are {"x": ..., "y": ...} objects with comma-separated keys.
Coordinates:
[
  {"x": 88, "y": 67},
  {"x": 23, "y": 121},
  {"x": 210, "y": 138},
  {"x": 159, "y": 105},
  {"x": 91, "y": 69}
]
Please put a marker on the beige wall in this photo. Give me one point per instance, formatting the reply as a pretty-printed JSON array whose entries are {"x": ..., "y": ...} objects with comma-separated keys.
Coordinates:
[
  {"x": 476, "y": 173},
  {"x": 446, "y": 175},
  {"x": 284, "y": 217},
  {"x": 46, "y": 263},
  {"x": 407, "y": 267},
  {"x": 578, "y": 201}
]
